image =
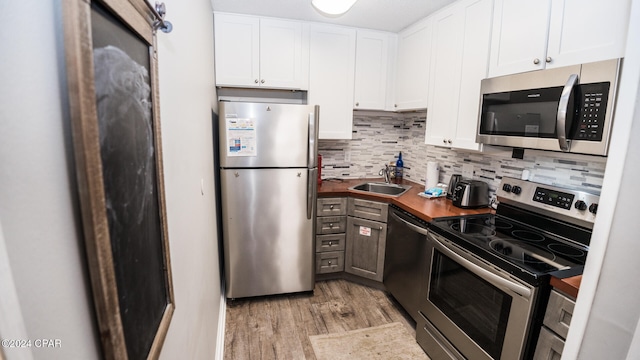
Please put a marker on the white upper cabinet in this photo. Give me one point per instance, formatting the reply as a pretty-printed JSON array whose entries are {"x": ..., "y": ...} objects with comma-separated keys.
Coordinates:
[
  {"x": 519, "y": 37},
  {"x": 459, "y": 61},
  {"x": 412, "y": 66},
  {"x": 332, "y": 77},
  {"x": 533, "y": 35},
  {"x": 585, "y": 31},
  {"x": 261, "y": 52},
  {"x": 373, "y": 49}
]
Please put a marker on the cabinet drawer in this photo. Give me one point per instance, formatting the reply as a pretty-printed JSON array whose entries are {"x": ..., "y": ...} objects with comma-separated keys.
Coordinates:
[
  {"x": 331, "y": 224},
  {"x": 549, "y": 346},
  {"x": 364, "y": 209},
  {"x": 332, "y": 206},
  {"x": 331, "y": 242},
  {"x": 329, "y": 262},
  {"x": 559, "y": 313}
]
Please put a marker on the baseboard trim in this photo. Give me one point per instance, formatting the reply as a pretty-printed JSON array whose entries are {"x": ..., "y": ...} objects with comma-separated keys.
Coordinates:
[{"x": 222, "y": 317}]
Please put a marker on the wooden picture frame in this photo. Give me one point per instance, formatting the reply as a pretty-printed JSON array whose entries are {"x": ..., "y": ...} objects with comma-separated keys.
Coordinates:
[{"x": 118, "y": 156}]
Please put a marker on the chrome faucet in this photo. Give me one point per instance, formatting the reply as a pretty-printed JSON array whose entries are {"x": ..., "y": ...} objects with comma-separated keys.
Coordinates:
[{"x": 386, "y": 173}]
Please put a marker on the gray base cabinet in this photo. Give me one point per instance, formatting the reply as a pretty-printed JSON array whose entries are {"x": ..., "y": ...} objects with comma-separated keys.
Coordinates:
[
  {"x": 557, "y": 319},
  {"x": 366, "y": 239},
  {"x": 331, "y": 225}
]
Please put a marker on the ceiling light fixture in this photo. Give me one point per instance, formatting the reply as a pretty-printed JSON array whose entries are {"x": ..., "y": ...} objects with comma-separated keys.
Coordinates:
[{"x": 333, "y": 8}]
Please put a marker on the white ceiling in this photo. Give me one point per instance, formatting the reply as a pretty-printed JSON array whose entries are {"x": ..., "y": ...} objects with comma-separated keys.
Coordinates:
[{"x": 389, "y": 15}]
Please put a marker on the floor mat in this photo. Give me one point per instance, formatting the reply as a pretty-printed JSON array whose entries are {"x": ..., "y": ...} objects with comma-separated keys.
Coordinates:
[{"x": 390, "y": 341}]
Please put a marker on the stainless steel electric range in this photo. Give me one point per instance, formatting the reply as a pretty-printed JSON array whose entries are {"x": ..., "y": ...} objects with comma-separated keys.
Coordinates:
[{"x": 487, "y": 283}]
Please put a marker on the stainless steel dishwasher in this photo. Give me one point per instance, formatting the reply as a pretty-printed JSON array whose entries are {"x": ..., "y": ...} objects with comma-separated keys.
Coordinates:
[{"x": 406, "y": 258}]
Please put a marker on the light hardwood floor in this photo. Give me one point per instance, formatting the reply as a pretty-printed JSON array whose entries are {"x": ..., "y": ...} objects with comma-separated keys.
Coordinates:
[{"x": 278, "y": 327}]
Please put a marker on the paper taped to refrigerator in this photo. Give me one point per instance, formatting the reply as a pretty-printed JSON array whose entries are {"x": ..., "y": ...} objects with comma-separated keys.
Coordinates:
[{"x": 242, "y": 137}]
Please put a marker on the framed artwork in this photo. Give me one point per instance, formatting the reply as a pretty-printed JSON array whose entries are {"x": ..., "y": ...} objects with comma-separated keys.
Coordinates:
[{"x": 114, "y": 108}]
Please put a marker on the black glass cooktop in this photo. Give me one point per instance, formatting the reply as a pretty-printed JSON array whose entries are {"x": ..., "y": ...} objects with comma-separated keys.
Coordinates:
[{"x": 525, "y": 251}]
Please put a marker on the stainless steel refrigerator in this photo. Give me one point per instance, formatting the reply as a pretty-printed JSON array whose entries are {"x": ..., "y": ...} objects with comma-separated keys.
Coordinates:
[{"x": 268, "y": 179}]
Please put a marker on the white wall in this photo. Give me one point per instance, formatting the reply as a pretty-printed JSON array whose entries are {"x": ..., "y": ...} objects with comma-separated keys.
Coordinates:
[
  {"x": 39, "y": 211},
  {"x": 605, "y": 321},
  {"x": 38, "y": 202},
  {"x": 187, "y": 97}
]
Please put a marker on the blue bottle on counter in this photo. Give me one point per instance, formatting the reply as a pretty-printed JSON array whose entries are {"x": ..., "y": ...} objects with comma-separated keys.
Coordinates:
[{"x": 399, "y": 167}]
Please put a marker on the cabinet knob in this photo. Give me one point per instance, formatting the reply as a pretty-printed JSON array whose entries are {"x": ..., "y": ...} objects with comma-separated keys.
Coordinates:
[
  {"x": 255, "y": 81},
  {"x": 395, "y": 105},
  {"x": 329, "y": 262},
  {"x": 330, "y": 207},
  {"x": 536, "y": 61},
  {"x": 449, "y": 141},
  {"x": 331, "y": 226},
  {"x": 330, "y": 243},
  {"x": 444, "y": 141},
  {"x": 380, "y": 228},
  {"x": 262, "y": 81},
  {"x": 549, "y": 59},
  {"x": 357, "y": 104}
]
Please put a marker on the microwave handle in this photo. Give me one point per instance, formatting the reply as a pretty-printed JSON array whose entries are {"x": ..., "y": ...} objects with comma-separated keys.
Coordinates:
[{"x": 563, "y": 108}]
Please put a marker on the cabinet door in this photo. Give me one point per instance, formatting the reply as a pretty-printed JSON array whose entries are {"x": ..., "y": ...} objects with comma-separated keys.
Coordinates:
[
  {"x": 586, "y": 31},
  {"x": 237, "y": 48},
  {"x": 444, "y": 80},
  {"x": 331, "y": 78},
  {"x": 284, "y": 55},
  {"x": 412, "y": 64},
  {"x": 366, "y": 241},
  {"x": 372, "y": 54},
  {"x": 519, "y": 36},
  {"x": 474, "y": 67}
]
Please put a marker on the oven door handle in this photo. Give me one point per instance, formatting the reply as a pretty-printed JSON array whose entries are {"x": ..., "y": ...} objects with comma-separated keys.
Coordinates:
[
  {"x": 483, "y": 273},
  {"x": 413, "y": 227}
]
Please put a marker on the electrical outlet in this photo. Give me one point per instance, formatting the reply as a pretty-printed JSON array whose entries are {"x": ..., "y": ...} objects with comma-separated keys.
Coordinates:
[
  {"x": 347, "y": 156},
  {"x": 467, "y": 171}
]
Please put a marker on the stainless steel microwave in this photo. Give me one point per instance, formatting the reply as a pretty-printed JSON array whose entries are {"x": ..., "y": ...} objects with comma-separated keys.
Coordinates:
[{"x": 566, "y": 109}]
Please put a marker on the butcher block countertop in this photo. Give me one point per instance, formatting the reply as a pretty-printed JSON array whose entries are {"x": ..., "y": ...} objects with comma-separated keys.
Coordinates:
[
  {"x": 569, "y": 286},
  {"x": 424, "y": 208}
]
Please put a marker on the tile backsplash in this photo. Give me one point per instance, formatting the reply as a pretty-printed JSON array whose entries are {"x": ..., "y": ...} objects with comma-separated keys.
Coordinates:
[{"x": 378, "y": 137}]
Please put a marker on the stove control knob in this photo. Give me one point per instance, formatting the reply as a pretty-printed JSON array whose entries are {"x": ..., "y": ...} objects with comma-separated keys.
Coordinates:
[
  {"x": 581, "y": 205},
  {"x": 593, "y": 208},
  {"x": 516, "y": 190},
  {"x": 506, "y": 187}
]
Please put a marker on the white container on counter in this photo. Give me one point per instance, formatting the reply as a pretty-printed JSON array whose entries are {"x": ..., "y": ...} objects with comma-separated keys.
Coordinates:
[{"x": 433, "y": 174}]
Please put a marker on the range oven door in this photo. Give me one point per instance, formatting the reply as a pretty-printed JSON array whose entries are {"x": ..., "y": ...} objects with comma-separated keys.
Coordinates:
[{"x": 470, "y": 308}]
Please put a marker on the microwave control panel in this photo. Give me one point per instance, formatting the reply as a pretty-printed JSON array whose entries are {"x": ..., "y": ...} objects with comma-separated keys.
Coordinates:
[{"x": 590, "y": 112}]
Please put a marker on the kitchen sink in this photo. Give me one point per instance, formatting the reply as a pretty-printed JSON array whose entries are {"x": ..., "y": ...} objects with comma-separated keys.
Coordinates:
[{"x": 382, "y": 188}]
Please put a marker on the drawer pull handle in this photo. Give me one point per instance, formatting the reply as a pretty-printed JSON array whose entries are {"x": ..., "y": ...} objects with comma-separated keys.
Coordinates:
[
  {"x": 329, "y": 262},
  {"x": 330, "y": 243},
  {"x": 330, "y": 207}
]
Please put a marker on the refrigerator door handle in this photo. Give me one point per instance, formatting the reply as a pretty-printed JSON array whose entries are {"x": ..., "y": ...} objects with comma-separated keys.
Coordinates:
[
  {"x": 313, "y": 137},
  {"x": 312, "y": 188}
]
